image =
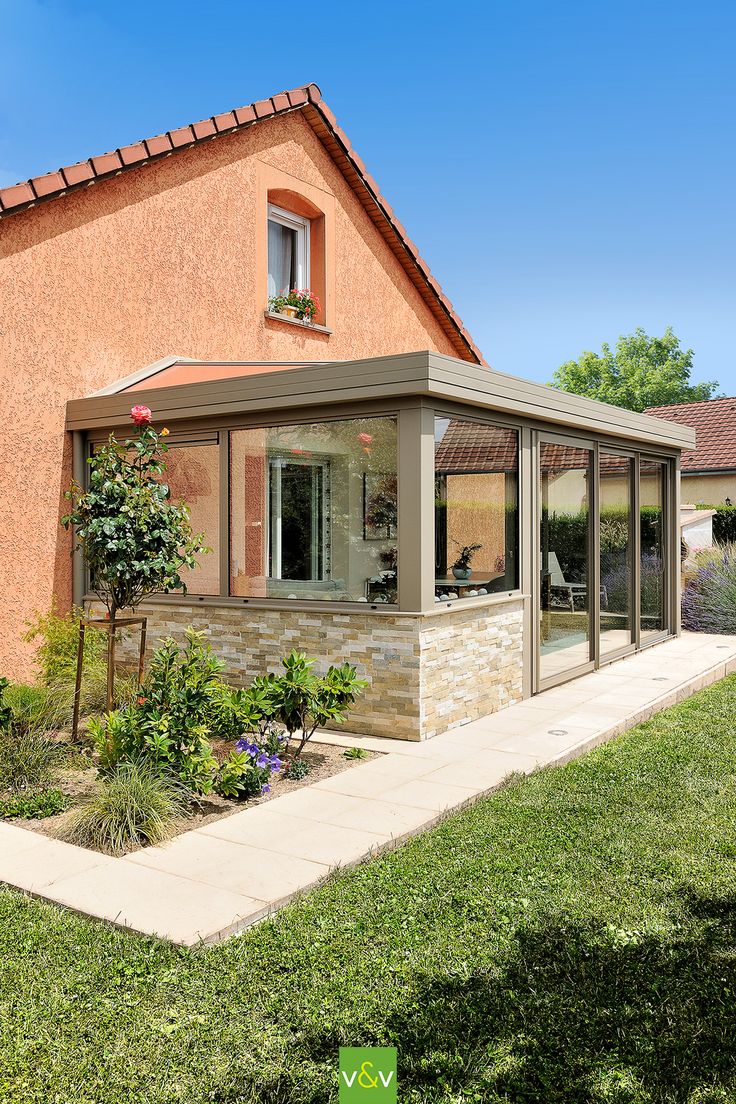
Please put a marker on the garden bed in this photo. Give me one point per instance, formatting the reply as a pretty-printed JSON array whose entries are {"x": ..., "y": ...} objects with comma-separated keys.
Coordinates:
[{"x": 78, "y": 780}]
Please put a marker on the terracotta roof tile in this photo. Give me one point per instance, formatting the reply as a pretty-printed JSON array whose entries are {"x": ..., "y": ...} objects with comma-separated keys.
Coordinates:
[
  {"x": 714, "y": 423},
  {"x": 160, "y": 143},
  {"x": 182, "y": 136},
  {"x": 47, "y": 184},
  {"x": 204, "y": 128},
  {"x": 226, "y": 121},
  {"x": 108, "y": 162},
  {"x": 131, "y": 155},
  {"x": 307, "y": 98}
]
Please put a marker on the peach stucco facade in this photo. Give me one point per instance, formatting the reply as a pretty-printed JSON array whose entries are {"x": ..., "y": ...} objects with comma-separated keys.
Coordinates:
[{"x": 167, "y": 258}]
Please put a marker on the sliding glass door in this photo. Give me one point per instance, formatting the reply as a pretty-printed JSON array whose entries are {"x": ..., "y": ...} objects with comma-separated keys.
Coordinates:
[
  {"x": 565, "y": 474},
  {"x": 652, "y": 548},
  {"x": 604, "y": 547},
  {"x": 615, "y": 550}
]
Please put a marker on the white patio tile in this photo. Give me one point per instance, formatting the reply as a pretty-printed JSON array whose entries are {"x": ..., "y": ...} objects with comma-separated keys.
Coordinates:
[
  {"x": 388, "y": 818},
  {"x": 238, "y": 867},
  {"x": 287, "y": 835},
  {"x": 150, "y": 901},
  {"x": 432, "y": 793},
  {"x": 38, "y": 865}
]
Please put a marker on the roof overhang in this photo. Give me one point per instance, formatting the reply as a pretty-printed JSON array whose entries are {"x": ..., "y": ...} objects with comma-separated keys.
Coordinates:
[{"x": 422, "y": 375}]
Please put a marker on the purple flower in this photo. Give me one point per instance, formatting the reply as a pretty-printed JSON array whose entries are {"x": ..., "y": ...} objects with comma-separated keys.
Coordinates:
[
  {"x": 265, "y": 788},
  {"x": 262, "y": 760},
  {"x": 276, "y": 764}
]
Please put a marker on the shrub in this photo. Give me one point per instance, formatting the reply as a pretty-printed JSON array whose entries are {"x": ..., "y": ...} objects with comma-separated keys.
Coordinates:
[
  {"x": 33, "y": 806},
  {"x": 28, "y": 758},
  {"x": 169, "y": 720},
  {"x": 304, "y": 702},
  {"x": 56, "y": 656},
  {"x": 135, "y": 804},
  {"x": 709, "y": 598},
  {"x": 724, "y": 525}
]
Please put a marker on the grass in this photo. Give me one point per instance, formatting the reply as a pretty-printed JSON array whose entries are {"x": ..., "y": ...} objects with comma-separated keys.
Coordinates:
[
  {"x": 135, "y": 803},
  {"x": 28, "y": 758},
  {"x": 569, "y": 940}
]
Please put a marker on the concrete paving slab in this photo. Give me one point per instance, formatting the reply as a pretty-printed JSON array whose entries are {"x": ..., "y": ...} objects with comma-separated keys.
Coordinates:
[
  {"x": 156, "y": 903},
  {"x": 238, "y": 867}
]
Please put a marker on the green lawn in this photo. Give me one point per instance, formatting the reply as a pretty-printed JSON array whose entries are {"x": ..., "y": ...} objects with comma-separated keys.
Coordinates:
[{"x": 570, "y": 939}]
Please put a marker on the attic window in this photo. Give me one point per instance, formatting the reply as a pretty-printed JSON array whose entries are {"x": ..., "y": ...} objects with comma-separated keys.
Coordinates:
[{"x": 288, "y": 251}]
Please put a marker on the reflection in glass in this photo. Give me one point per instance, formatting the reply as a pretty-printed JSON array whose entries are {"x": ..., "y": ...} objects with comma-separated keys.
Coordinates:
[
  {"x": 652, "y": 559},
  {"x": 193, "y": 474},
  {"x": 565, "y": 474},
  {"x": 476, "y": 508},
  {"x": 313, "y": 511},
  {"x": 615, "y": 552}
]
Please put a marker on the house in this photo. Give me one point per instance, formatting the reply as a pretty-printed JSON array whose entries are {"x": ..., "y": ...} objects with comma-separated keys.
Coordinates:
[
  {"x": 337, "y": 472},
  {"x": 709, "y": 470}
]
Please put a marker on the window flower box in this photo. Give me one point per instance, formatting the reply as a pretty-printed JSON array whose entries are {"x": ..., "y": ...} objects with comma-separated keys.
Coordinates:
[{"x": 299, "y": 303}]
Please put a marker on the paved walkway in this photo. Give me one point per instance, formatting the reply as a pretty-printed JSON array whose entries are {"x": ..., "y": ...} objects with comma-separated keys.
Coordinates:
[{"x": 215, "y": 880}]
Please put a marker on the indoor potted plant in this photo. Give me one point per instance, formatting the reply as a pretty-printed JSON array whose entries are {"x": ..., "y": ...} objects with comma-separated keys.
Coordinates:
[{"x": 461, "y": 568}]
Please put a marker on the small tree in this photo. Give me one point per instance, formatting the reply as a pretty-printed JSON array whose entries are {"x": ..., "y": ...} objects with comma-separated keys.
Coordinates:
[
  {"x": 302, "y": 701},
  {"x": 134, "y": 538}
]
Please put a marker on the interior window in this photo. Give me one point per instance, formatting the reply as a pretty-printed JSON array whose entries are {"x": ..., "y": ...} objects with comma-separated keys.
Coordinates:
[{"x": 288, "y": 251}]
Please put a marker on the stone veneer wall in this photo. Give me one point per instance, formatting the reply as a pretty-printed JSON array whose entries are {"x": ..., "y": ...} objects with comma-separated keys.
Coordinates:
[{"x": 425, "y": 674}]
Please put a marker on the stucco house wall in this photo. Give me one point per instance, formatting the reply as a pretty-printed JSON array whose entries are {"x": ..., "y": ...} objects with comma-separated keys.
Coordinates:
[{"x": 160, "y": 260}]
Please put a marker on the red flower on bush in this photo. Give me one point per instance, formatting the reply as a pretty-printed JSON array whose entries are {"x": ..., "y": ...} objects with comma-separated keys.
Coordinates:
[{"x": 140, "y": 415}]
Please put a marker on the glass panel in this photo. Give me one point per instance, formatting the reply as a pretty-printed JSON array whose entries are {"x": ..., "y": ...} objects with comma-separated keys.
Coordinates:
[
  {"x": 193, "y": 474},
  {"x": 651, "y": 528},
  {"x": 615, "y": 551},
  {"x": 313, "y": 511},
  {"x": 565, "y": 558},
  {"x": 282, "y": 258},
  {"x": 476, "y": 509}
]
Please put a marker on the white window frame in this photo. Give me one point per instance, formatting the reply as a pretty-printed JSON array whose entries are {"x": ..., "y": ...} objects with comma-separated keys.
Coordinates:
[
  {"x": 302, "y": 227},
  {"x": 319, "y": 550}
]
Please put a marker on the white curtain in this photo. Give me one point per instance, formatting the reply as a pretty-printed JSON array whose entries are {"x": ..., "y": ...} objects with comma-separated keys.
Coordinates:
[{"x": 281, "y": 257}]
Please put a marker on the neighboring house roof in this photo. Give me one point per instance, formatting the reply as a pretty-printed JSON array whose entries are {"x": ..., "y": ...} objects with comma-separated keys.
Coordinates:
[
  {"x": 714, "y": 423},
  {"x": 308, "y": 100},
  {"x": 470, "y": 447}
]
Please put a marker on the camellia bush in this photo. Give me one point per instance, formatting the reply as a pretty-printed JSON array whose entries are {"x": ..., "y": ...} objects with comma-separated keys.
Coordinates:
[{"x": 135, "y": 539}]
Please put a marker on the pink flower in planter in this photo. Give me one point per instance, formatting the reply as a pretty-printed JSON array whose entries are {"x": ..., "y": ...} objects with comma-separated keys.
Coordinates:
[{"x": 140, "y": 415}]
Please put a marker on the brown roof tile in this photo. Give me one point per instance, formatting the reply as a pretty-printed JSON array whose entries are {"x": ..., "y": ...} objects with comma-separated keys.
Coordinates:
[
  {"x": 308, "y": 99},
  {"x": 714, "y": 423}
]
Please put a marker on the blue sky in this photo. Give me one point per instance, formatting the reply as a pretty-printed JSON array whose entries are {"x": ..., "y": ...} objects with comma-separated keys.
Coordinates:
[{"x": 567, "y": 170}]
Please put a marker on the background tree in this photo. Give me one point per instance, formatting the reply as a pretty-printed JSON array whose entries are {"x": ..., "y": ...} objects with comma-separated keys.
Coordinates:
[{"x": 642, "y": 371}]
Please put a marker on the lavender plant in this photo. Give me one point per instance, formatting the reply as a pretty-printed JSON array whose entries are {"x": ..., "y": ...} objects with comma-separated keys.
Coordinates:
[{"x": 709, "y": 599}]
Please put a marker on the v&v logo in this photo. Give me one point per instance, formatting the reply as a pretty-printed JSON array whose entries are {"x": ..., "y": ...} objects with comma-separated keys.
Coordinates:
[{"x": 367, "y": 1075}]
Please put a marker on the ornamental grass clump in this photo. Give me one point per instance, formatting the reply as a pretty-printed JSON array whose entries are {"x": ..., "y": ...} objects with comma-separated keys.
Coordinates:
[
  {"x": 709, "y": 599},
  {"x": 135, "y": 804},
  {"x": 28, "y": 758}
]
